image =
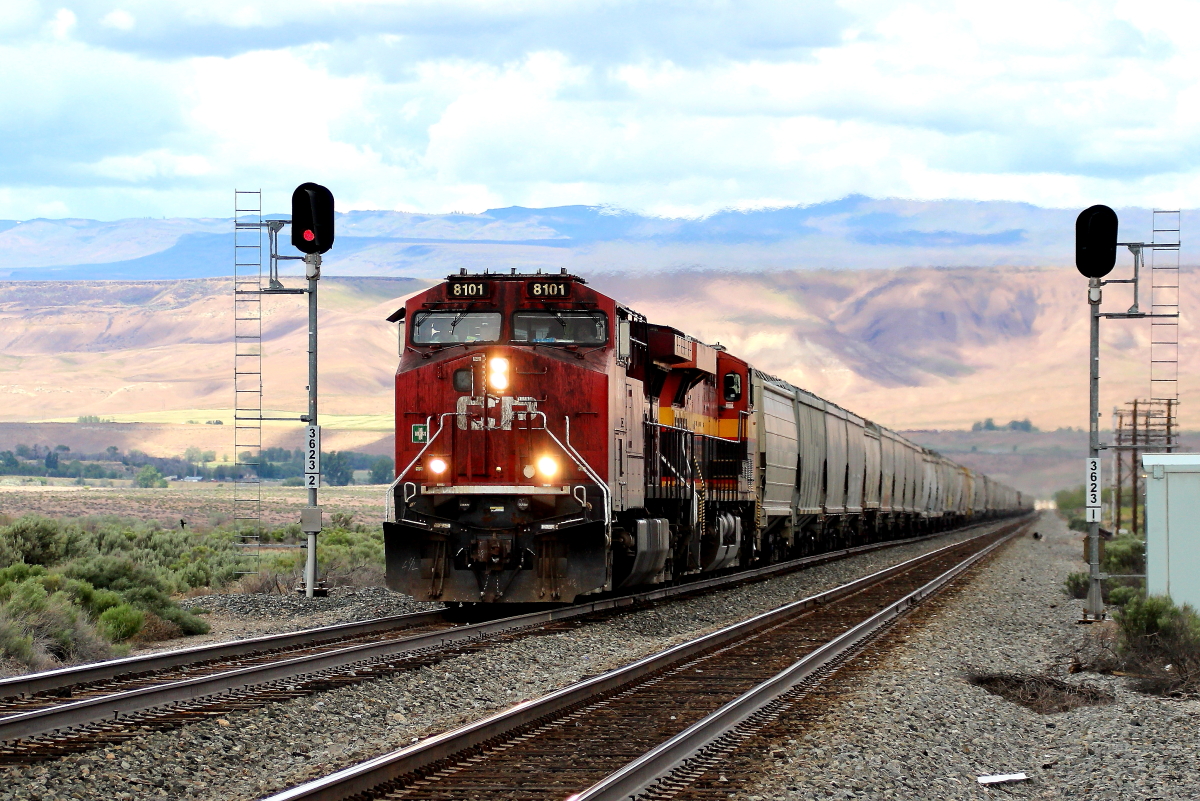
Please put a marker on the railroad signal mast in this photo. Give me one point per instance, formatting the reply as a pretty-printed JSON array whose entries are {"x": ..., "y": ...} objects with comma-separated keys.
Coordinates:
[
  {"x": 1095, "y": 256},
  {"x": 312, "y": 233}
]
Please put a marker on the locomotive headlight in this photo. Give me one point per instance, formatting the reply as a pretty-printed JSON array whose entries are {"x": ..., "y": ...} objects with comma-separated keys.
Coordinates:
[
  {"x": 437, "y": 465},
  {"x": 547, "y": 466},
  {"x": 498, "y": 374}
]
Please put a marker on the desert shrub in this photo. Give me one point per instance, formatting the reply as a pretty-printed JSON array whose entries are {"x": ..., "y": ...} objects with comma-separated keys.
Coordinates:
[
  {"x": 137, "y": 585},
  {"x": 352, "y": 557},
  {"x": 1155, "y": 618},
  {"x": 1119, "y": 597},
  {"x": 8, "y": 551},
  {"x": 1076, "y": 585},
  {"x": 155, "y": 629},
  {"x": 121, "y": 575},
  {"x": 121, "y": 622},
  {"x": 15, "y": 642},
  {"x": 16, "y": 573},
  {"x": 1124, "y": 555},
  {"x": 39, "y": 540},
  {"x": 41, "y": 628},
  {"x": 1160, "y": 642}
]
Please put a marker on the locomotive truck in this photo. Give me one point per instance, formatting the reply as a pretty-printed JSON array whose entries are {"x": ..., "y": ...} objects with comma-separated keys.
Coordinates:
[{"x": 553, "y": 443}]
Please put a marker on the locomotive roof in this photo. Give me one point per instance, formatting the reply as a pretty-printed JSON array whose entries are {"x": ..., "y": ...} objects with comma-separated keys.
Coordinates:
[{"x": 513, "y": 275}]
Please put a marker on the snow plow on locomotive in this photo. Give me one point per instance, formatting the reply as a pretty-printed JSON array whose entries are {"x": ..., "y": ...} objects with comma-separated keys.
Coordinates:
[{"x": 552, "y": 443}]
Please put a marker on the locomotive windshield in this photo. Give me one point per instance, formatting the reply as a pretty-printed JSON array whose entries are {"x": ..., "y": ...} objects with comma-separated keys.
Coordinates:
[
  {"x": 562, "y": 327},
  {"x": 449, "y": 327}
]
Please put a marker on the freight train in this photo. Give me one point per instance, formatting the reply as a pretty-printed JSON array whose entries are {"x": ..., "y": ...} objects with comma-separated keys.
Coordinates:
[{"x": 552, "y": 443}]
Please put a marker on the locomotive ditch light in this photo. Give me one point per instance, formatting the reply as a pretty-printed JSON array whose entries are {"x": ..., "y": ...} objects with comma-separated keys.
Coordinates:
[
  {"x": 547, "y": 466},
  {"x": 437, "y": 465},
  {"x": 498, "y": 374}
]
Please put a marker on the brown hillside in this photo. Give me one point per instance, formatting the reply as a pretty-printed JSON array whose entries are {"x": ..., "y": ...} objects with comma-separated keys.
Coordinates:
[{"x": 912, "y": 348}]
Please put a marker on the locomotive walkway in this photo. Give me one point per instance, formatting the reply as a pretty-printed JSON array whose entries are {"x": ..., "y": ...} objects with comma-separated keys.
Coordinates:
[
  {"x": 656, "y": 725},
  {"x": 74, "y": 709}
]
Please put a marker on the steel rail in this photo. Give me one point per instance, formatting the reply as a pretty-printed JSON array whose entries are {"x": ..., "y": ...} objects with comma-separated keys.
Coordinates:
[
  {"x": 640, "y": 775},
  {"x": 61, "y": 678},
  {"x": 372, "y": 773},
  {"x": 113, "y": 706}
]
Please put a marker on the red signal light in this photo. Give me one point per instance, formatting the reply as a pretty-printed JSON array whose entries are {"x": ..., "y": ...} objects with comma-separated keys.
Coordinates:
[{"x": 309, "y": 235}]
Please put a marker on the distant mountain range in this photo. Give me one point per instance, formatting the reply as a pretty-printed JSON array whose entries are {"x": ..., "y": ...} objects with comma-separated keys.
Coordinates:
[{"x": 854, "y": 232}]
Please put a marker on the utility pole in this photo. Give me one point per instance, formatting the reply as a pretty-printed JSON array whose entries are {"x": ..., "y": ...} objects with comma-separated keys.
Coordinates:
[
  {"x": 1095, "y": 256},
  {"x": 310, "y": 516},
  {"x": 1095, "y": 599}
]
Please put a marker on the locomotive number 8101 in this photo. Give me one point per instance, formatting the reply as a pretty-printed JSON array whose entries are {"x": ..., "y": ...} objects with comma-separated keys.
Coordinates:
[
  {"x": 468, "y": 289},
  {"x": 549, "y": 289}
]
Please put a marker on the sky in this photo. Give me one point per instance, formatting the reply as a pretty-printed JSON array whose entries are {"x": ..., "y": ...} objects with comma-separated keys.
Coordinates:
[{"x": 127, "y": 108}]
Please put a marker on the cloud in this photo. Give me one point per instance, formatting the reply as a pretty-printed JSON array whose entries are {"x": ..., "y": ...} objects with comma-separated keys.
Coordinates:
[
  {"x": 681, "y": 108},
  {"x": 118, "y": 19}
]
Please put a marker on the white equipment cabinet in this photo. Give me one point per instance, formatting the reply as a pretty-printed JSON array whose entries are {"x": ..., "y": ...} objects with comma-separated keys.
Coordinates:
[{"x": 1173, "y": 526}]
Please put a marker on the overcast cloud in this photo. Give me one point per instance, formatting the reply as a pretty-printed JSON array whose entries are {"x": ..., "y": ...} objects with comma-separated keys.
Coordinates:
[{"x": 159, "y": 108}]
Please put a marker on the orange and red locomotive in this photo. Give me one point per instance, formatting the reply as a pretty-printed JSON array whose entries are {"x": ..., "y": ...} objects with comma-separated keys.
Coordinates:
[{"x": 551, "y": 443}]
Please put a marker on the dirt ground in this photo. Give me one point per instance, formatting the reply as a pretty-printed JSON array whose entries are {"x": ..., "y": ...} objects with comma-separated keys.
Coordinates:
[{"x": 201, "y": 504}]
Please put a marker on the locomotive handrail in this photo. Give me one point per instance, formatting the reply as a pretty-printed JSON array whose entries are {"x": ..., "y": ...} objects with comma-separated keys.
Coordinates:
[
  {"x": 588, "y": 469},
  {"x": 570, "y": 451},
  {"x": 387, "y": 506}
]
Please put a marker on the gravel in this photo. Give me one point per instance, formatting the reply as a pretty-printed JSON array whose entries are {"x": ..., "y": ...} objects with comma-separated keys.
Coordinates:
[
  {"x": 342, "y": 604},
  {"x": 250, "y": 753},
  {"x": 912, "y": 726}
]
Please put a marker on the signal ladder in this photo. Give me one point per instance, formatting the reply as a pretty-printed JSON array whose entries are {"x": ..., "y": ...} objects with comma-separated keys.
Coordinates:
[
  {"x": 247, "y": 365},
  {"x": 248, "y": 291},
  {"x": 1164, "y": 331}
]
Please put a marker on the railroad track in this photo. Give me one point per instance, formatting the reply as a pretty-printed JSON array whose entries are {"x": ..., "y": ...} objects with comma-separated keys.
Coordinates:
[
  {"x": 652, "y": 728},
  {"x": 64, "y": 711}
]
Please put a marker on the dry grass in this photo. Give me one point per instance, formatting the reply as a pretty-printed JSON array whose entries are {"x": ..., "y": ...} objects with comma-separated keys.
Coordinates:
[
  {"x": 203, "y": 505},
  {"x": 155, "y": 629},
  {"x": 1043, "y": 694},
  {"x": 267, "y": 582}
]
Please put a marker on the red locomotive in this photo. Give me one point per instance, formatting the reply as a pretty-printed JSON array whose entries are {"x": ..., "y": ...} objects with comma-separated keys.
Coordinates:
[{"x": 552, "y": 443}]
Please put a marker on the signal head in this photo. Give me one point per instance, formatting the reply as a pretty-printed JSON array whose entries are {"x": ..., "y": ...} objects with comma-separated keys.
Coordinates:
[
  {"x": 1096, "y": 241},
  {"x": 312, "y": 218}
]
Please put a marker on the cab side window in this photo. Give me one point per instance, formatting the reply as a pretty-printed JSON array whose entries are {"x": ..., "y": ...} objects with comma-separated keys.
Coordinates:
[{"x": 733, "y": 387}]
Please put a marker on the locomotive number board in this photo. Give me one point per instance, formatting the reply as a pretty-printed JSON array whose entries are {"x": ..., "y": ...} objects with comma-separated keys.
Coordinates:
[
  {"x": 546, "y": 290},
  {"x": 468, "y": 290}
]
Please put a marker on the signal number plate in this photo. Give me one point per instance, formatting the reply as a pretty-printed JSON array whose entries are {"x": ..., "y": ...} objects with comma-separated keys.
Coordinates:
[
  {"x": 464, "y": 290},
  {"x": 549, "y": 289}
]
